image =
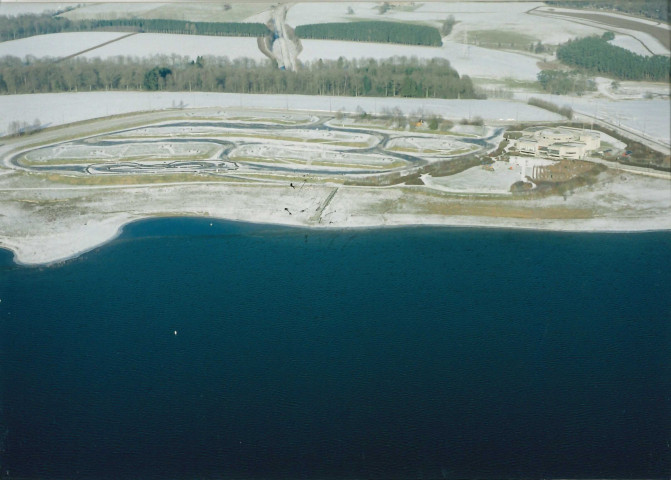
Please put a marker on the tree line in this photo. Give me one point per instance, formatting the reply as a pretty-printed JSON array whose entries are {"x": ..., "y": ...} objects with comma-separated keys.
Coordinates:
[
  {"x": 28, "y": 25},
  {"x": 566, "y": 111},
  {"x": 596, "y": 55},
  {"x": 373, "y": 31},
  {"x": 398, "y": 77}
]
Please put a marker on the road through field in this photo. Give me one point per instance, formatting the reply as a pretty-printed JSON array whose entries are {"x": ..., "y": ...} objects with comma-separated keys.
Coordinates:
[{"x": 619, "y": 23}]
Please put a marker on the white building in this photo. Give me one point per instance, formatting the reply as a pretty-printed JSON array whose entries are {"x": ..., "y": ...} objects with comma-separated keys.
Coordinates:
[{"x": 560, "y": 142}]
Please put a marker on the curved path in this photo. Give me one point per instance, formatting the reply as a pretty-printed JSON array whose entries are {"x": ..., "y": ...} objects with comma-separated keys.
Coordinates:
[{"x": 221, "y": 160}]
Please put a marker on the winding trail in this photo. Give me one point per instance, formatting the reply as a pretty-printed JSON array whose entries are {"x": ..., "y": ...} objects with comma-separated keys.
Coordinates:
[{"x": 222, "y": 160}]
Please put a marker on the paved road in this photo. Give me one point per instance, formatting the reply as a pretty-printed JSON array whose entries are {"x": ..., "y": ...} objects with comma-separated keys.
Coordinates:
[
  {"x": 283, "y": 47},
  {"x": 628, "y": 132}
]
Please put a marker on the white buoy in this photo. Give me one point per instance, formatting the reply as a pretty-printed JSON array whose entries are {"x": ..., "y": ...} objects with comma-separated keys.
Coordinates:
[{"x": 175, "y": 332}]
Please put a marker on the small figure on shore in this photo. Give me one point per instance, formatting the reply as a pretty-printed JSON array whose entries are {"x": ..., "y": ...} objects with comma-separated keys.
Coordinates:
[
  {"x": 287, "y": 210},
  {"x": 292, "y": 185}
]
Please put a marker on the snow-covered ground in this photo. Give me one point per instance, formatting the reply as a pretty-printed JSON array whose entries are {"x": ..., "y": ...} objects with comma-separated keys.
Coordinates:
[
  {"x": 13, "y": 8},
  {"x": 649, "y": 117},
  {"x": 90, "y": 216},
  {"x": 427, "y": 146},
  {"x": 191, "y": 11},
  {"x": 60, "y": 108},
  {"x": 467, "y": 60},
  {"x": 645, "y": 21},
  {"x": 56, "y": 44},
  {"x": 630, "y": 43},
  {"x": 127, "y": 151},
  {"x": 496, "y": 179},
  {"x": 506, "y": 16},
  {"x": 192, "y": 46},
  {"x": 327, "y": 12},
  {"x": 648, "y": 40}
]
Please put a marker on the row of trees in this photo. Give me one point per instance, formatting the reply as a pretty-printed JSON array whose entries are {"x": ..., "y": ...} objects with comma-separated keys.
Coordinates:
[
  {"x": 566, "y": 111},
  {"x": 399, "y": 77},
  {"x": 446, "y": 26},
  {"x": 28, "y": 25},
  {"x": 229, "y": 29},
  {"x": 562, "y": 83},
  {"x": 596, "y": 55},
  {"x": 383, "y": 32}
]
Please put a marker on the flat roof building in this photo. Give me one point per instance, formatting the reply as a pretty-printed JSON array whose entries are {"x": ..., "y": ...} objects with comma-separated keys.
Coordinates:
[{"x": 560, "y": 142}]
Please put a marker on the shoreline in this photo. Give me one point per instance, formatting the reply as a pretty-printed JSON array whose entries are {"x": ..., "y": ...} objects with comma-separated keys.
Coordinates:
[
  {"x": 53, "y": 257},
  {"x": 294, "y": 180}
]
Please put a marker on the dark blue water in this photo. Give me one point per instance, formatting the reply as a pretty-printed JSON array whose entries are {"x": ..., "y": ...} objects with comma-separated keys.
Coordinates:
[{"x": 404, "y": 353}]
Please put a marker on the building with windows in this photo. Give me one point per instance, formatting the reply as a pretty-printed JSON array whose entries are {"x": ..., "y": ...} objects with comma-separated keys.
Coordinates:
[{"x": 559, "y": 142}]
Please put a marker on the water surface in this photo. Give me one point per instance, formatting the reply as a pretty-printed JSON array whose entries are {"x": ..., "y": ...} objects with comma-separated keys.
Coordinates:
[{"x": 394, "y": 353}]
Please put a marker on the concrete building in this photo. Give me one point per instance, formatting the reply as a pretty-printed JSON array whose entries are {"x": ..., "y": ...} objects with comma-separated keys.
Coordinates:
[{"x": 560, "y": 142}]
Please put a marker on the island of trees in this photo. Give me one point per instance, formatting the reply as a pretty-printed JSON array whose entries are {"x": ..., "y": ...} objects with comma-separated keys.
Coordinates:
[
  {"x": 595, "y": 55},
  {"x": 559, "y": 82},
  {"x": 374, "y": 31},
  {"x": 398, "y": 77}
]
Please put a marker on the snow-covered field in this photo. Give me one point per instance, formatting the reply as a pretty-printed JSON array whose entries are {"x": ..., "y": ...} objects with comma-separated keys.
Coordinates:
[
  {"x": 630, "y": 43},
  {"x": 60, "y": 108},
  {"x": 506, "y": 16},
  {"x": 467, "y": 60},
  {"x": 646, "y": 21},
  {"x": 149, "y": 44},
  {"x": 648, "y": 40},
  {"x": 649, "y": 117},
  {"x": 56, "y": 44},
  {"x": 312, "y": 156},
  {"x": 191, "y": 11},
  {"x": 477, "y": 180},
  {"x": 13, "y": 8},
  {"x": 128, "y": 151},
  {"x": 430, "y": 146}
]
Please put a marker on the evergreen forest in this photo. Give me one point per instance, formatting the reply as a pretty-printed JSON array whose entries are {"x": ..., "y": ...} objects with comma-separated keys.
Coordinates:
[
  {"x": 381, "y": 32},
  {"x": 595, "y": 55}
]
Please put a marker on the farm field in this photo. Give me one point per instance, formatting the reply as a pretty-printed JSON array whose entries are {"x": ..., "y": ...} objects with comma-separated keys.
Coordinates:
[
  {"x": 192, "y": 11},
  {"x": 469, "y": 60},
  {"x": 649, "y": 117},
  {"x": 144, "y": 45},
  {"x": 630, "y": 43},
  {"x": 509, "y": 17},
  {"x": 21, "y": 8},
  {"x": 60, "y": 108},
  {"x": 56, "y": 45}
]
